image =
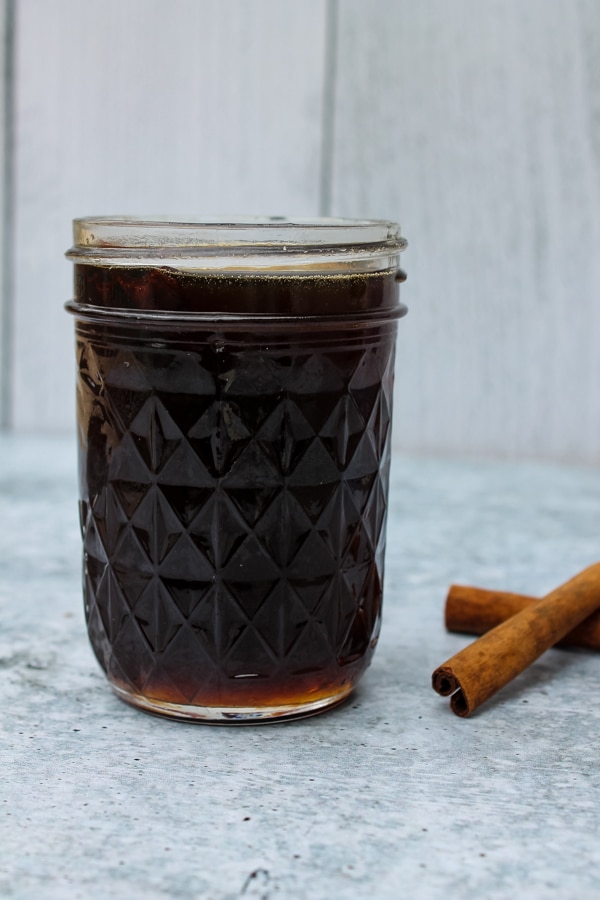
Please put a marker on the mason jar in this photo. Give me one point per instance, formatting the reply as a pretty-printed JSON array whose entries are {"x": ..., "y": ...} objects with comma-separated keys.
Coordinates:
[{"x": 234, "y": 403}]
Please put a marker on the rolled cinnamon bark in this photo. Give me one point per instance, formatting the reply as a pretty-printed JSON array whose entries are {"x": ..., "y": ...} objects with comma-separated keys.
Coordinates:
[
  {"x": 480, "y": 670},
  {"x": 473, "y": 610}
]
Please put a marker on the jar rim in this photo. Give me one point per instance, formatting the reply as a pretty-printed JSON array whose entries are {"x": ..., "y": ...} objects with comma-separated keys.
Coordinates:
[{"x": 238, "y": 243}]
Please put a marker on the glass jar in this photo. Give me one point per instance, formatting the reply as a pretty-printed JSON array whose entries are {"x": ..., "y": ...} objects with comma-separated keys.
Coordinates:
[{"x": 234, "y": 404}]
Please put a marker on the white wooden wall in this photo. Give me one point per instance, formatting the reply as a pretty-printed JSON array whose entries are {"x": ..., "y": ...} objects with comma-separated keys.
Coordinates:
[{"x": 475, "y": 124}]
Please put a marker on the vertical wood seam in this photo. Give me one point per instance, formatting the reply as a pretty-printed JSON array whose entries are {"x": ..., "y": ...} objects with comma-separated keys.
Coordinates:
[
  {"x": 8, "y": 216},
  {"x": 328, "y": 107}
]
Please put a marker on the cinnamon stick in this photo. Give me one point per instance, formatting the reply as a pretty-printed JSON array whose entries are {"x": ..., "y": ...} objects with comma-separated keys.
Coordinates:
[
  {"x": 473, "y": 610},
  {"x": 480, "y": 670}
]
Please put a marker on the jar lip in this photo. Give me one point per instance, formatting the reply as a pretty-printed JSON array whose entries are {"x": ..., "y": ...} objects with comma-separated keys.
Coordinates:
[{"x": 188, "y": 233}]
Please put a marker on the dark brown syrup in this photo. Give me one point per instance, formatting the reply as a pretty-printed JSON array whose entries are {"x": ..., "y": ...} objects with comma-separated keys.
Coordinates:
[{"x": 233, "y": 483}]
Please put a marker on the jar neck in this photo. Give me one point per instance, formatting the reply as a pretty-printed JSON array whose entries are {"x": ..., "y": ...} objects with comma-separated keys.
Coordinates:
[
  {"x": 247, "y": 245},
  {"x": 165, "y": 292}
]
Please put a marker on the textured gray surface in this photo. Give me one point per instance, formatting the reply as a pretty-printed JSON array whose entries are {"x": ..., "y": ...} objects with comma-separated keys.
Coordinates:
[{"x": 390, "y": 795}]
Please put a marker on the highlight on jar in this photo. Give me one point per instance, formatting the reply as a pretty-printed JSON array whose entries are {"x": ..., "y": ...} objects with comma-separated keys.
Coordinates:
[{"x": 234, "y": 405}]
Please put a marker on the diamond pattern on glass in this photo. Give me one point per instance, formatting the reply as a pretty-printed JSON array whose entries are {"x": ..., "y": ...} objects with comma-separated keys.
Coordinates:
[{"x": 235, "y": 536}]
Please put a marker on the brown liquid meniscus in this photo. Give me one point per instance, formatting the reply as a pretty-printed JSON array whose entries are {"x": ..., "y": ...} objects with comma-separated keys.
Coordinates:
[{"x": 234, "y": 477}]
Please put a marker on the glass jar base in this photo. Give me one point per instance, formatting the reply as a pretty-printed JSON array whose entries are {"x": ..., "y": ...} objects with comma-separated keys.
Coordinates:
[{"x": 236, "y": 715}]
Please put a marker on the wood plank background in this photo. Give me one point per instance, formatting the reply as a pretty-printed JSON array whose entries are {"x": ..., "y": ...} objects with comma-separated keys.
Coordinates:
[
  {"x": 476, "y": 125},
  {"x": 6, "y": 308},
  {"x": 141, "y": 106},
  {"x": 479, "y": 125}
]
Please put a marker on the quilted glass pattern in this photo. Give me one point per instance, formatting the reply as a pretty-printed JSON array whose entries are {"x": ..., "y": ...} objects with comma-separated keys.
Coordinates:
[{"x": 233, "y": 507}]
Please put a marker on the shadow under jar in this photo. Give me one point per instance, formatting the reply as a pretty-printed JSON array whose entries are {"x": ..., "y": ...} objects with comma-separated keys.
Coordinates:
[{"x": 234, "y": 416}]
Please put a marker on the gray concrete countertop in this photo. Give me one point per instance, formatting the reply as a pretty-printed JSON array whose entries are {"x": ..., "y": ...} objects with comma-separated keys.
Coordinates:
[{"x": 388, "y": 796}]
